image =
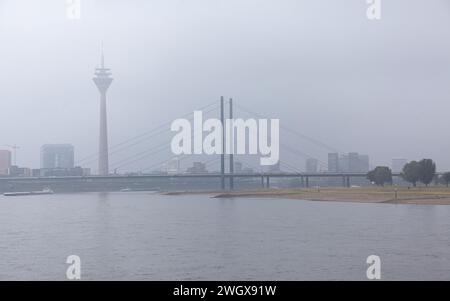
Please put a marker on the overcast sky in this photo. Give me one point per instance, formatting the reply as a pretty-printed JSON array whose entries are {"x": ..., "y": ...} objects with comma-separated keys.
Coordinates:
[{"x": 376, "y": 87}]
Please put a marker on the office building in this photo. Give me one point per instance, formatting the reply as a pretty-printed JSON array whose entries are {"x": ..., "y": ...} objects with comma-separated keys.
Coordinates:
[
  {"x": 351, "y": 162},
  {"x": 5, "y": 162},
  {"x": 15, "y": 171},
  {"x": 354, "y": 162},
  {"x": 333, "y": 162},
  {"x": 65, "y": 172},
  {"x": 57, "y": 156},
  {"x": 364, "y": 164}
]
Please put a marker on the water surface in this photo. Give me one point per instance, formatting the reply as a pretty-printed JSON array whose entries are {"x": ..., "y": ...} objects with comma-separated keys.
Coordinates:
[{"x": 143, "y": 236}]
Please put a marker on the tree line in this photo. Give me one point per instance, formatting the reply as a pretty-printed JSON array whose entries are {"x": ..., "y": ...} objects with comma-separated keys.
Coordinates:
[{"x": 423, "y": 171}]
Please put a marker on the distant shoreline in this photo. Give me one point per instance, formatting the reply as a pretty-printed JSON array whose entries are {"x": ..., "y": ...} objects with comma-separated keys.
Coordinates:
[{"x": 378, "y": 195}]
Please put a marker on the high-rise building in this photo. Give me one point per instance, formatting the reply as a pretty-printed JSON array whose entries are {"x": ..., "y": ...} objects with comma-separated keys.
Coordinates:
[
  {"x": 312, "y": 165},
  {"x": 354, "y": 162},
  {"x": 333, "y": 162},
  {"x": 102, "y": 80},
  {"x": 55, "y": 156},
  {"x": 364, "y": 164},
  {"x": 351, "y": 162},
  {"x": 5, "y": 161},
  {"x": 398, "y": 164},
  {"x": 344, "y": 164}
]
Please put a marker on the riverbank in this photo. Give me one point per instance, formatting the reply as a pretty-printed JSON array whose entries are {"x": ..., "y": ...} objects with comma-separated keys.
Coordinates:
[{"x": 389, "y": 194}]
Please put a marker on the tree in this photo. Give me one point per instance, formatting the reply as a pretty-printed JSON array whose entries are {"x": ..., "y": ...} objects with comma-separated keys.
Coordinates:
[
  {"x": 427, "y": 171},
  {"x": 446, "y": 178},
  {"x": 380, "y": 175},
  {"x": 411, "y": 172}
]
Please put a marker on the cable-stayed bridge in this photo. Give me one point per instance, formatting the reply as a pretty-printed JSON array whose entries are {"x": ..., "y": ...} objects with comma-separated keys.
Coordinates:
[
  {"x": 125, "y": 175},
  {"x": 143, "y": 157}
]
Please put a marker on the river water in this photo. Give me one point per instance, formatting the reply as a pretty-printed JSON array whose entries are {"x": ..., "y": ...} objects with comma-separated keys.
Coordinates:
[{"x": 145, "y": 236}]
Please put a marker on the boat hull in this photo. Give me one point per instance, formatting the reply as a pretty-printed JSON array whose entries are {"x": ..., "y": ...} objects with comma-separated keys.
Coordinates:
[{"x": 27, "y": 193}]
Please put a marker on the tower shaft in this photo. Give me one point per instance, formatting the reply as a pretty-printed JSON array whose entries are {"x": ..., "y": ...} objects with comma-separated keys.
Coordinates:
[{"x": 103, "y": 161}]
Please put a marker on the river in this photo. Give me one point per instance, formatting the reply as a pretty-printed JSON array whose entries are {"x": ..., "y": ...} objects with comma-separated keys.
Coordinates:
[{"x": 145, "y": 236}]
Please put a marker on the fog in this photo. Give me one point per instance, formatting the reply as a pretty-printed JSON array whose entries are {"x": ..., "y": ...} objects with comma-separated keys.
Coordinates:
[{"x": 380, "y": 88}]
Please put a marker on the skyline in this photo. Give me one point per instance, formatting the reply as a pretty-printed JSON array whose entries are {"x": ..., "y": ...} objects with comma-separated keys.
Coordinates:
[
  {"x": 231, "y": 144},
  {"x": 176, "y": 58}
]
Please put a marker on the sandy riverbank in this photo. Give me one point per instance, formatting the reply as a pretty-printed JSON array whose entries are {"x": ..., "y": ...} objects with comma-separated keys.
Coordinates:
[{"x": 419, "y": 196}]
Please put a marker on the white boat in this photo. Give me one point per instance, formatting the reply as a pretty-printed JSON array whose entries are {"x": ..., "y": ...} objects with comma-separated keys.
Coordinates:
[{"x": 44, "y": 191}]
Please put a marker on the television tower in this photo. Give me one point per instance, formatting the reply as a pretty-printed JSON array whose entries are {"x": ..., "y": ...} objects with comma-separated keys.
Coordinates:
[{"x": 102, "y": 80}]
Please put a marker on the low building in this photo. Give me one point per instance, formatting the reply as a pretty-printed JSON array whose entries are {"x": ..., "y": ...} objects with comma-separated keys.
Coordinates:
[
  {"x": 15, "y": 171},
  {"x": 86, "y": 172},
  {"x": 197, "y": 168},
  {"x": 172, "y": 167},
  {"x": 64, "y": 172}
]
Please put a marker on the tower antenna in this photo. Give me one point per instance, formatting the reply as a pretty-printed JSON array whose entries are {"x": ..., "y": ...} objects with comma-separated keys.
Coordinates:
[{"x": 102, "y": 58}]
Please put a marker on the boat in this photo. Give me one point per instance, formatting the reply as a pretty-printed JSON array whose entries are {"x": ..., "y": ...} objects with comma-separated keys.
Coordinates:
[
  {"x": 22, "y": 193},
  {"x": 137, "y": 190}
]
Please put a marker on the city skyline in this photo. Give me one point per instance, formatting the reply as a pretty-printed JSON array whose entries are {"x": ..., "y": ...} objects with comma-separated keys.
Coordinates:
[
  {"x": 62, "y": 156},
  {"x": 231, "y": 144},
  {"x": 319, "y": 94}
]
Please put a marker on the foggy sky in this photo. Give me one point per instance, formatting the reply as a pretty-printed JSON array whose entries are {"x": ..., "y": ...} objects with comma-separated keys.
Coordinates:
[{"x": 380, "y": 88}]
